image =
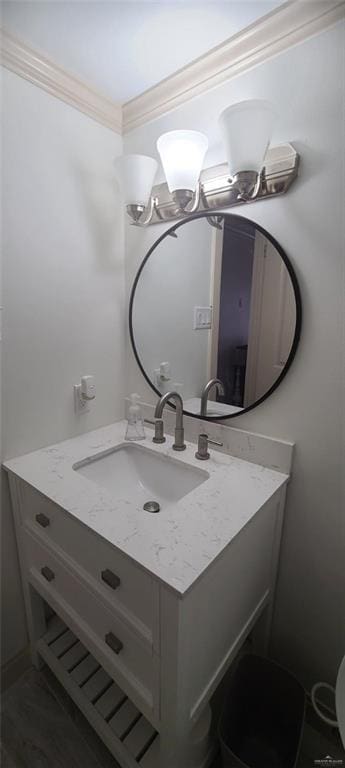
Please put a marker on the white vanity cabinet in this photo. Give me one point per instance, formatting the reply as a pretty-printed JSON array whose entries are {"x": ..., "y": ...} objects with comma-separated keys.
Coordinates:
[
  {"x": 140, "y": 615},
  {"x": 165, "y": 652}
]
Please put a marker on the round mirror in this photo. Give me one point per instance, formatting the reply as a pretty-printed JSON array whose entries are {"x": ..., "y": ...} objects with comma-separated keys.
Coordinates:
[{"x": 215, "y": 298}]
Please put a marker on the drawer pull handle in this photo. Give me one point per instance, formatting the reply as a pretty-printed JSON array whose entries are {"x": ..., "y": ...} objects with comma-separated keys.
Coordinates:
[
  {"x": 113, "y": 642},
  {"x": 42, "y": 520},
  {"x": 47, "y": 573},
  {"x": 111, "y": 579}
]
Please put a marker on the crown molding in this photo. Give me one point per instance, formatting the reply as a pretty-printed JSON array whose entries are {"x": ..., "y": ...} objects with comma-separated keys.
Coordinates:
[
  {"x": 284, "y": 27},
  {"x": 289, "y": 24},
  {"x": 41, "y": 71}
]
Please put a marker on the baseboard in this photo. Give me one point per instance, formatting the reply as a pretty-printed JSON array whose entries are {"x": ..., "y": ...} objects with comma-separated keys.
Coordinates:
[{"x": 13, "y": 669}]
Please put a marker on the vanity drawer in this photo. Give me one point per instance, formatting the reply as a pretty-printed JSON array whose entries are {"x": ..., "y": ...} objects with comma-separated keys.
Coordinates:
[
  {"x": 111, "y": 641},
  {"x": 132, "y": 592}
]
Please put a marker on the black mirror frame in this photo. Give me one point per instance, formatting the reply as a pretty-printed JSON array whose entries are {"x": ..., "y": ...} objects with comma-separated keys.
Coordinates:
[{"x": 172, "y": 232}]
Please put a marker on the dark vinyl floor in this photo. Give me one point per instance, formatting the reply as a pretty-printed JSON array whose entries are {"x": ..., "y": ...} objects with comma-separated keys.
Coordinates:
[{"x": 42, "y": 728}]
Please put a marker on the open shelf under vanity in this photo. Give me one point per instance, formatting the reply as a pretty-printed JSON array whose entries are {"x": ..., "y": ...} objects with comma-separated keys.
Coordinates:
[{"x": 125, "y": 731}]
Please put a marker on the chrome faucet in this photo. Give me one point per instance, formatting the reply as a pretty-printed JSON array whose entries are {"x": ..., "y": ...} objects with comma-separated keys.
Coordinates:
[
  {"x": 205, "y": 392},
  {"x": 179, "y": 444},
  {"x": 203, "y": 441}
]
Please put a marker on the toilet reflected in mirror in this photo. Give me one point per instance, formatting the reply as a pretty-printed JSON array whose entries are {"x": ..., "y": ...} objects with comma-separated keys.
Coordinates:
[{"x": 218, "y": 299}]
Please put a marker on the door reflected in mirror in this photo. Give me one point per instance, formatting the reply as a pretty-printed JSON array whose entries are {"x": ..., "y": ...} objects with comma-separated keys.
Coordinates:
[{"x": 220, "y": 300}]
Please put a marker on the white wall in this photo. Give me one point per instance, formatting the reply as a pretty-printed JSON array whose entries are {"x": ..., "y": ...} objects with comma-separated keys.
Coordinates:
[
  {"x": 307, "y": 86},
  {"x": 63, "y": 288}
]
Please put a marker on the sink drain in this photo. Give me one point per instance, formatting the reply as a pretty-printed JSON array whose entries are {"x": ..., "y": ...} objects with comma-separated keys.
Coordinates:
[{"x": 151, "y": 506}]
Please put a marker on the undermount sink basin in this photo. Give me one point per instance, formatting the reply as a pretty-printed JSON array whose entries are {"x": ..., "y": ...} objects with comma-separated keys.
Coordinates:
[{"x": 138, "y": 474}]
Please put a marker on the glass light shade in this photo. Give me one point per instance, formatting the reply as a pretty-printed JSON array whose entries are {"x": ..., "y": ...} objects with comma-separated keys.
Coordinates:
[
  {"x": 135, "y": 174},
  {"x": 182, "y": 154},
  {"x": 247, "y": 128}
]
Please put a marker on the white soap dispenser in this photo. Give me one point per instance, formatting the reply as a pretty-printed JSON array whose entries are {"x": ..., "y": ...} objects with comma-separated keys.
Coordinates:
[{"x": 135, "y": 424}]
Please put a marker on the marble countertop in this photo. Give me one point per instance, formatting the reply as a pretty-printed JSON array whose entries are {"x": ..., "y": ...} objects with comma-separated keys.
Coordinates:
[{"x": 178, "y": 544}]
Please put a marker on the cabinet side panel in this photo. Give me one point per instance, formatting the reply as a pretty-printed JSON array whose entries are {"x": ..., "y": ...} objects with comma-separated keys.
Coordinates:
[{"x": 220, "y": 611}]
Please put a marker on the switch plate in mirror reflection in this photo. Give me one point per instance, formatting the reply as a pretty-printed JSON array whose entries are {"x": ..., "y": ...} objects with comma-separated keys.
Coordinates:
[{"x": 241, "y": 274}]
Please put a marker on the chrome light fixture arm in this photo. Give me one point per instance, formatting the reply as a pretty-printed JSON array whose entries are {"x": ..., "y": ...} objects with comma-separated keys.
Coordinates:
[
  {"x": 247, "y": 184},
  {"x": 196, "y": 202},
  {"x": 183, "y": 198},
  {"x": 142, "y": 215}
]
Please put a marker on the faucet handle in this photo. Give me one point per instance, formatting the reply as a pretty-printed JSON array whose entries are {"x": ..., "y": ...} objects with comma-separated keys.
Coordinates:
[
  {"x": 159, "y": 430},
  {"x": 159, "y": 436},
  {"x": 215, "y": 442},
  {"x": 203, "y": 442},
  {"x": 202, "y": 452}
]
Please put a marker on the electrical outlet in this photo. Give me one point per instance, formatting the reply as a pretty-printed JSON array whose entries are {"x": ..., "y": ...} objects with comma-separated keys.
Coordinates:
[{"x": 80, "y": 405}]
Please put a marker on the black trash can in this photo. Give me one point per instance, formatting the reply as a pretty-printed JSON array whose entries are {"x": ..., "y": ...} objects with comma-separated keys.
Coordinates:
[{"x": 262, "y": 720}]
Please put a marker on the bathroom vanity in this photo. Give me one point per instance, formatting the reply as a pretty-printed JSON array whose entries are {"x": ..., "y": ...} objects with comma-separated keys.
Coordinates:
[{"x": 140, "y": 614}]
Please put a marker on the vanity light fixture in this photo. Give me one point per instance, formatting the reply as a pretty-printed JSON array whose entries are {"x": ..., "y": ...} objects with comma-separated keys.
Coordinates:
[
  {"x": 135, "y": 174},
  {"x": 253, "y": 170},
  {"x": 246, "y": 128},
  {"x": 182, "y": 154}
]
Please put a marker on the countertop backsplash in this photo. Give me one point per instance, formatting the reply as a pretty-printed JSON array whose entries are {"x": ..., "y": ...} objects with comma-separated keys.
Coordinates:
[{"x": 259, "y": 449}]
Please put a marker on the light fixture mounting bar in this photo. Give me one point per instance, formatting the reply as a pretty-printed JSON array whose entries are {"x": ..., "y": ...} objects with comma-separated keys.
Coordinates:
[{"x": 216, "y": 191}]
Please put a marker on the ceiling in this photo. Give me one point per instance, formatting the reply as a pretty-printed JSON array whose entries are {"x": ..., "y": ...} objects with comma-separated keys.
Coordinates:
[{"x": 124, "y": 48}]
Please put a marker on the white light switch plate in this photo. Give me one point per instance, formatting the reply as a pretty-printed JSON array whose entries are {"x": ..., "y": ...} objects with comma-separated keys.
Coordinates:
[{"x": 202, "y": 318}]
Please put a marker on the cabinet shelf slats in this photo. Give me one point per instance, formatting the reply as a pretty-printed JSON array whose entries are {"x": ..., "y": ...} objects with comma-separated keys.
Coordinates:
[
  {"x": 131, "y": 739},
  {"x": 96, "y": 685},
  {"x": 123, "y": 720},
  {"x": 139, "y": 737},
  {"x": 83, "y": 671},
  {"x": 74, "y": 656},
  {"x": 64, "y": 643},
  {"x": 110, "y": 701}
]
